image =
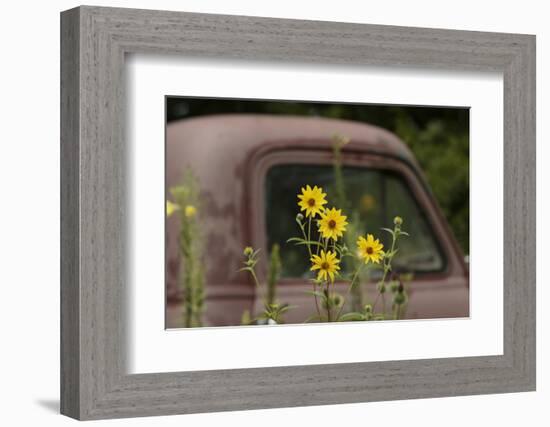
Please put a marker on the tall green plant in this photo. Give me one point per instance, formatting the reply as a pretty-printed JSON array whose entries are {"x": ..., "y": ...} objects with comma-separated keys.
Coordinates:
[
  {"x": 273, "y": 274},
  {"x": 340, "y": 196},
  {"x": 355, "y": 226},
  {"x": 191, "y": 246},
  {"x": 273, "y": 311}
]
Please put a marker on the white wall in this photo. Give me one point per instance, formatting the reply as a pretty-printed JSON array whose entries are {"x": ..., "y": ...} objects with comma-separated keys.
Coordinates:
[{"x": 29, "y": 226}]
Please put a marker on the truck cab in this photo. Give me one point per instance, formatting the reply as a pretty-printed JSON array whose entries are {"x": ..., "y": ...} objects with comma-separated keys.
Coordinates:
[{"x": 250, "y": 169}]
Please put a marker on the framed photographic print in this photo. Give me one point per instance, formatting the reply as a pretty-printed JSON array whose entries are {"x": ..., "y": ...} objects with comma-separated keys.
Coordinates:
[
  {"x": 262, "y": 213},
  {"x": 329, "y": 199}
]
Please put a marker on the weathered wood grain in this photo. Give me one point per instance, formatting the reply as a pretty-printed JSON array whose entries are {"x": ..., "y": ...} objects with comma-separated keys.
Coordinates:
[
  {"x": 70, "y": 221},
  {"x": 94, "y": 271}
]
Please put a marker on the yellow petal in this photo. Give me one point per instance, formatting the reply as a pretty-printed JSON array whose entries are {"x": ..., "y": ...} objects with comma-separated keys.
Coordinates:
[
  {"x": 170, "y": 208},
  {"x": 190, "y": 211}
]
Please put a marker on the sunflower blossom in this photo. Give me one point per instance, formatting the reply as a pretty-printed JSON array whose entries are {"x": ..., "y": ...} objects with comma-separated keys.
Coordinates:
[
  {"x": 332, "y": 223},
  {"x": 370, "y": 249},
  {"x": 327, "y": 264},
  {"x": 312, "y": 200}
]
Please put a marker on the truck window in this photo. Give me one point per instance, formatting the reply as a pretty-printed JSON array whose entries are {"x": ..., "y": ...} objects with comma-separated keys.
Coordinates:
[{"x": 374, "y": 198}]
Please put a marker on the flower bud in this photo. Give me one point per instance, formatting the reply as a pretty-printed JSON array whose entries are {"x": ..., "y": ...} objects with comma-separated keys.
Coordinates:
[
  {"x": 399, "y": 298},
  {"x": 337, "y": 300},
  {"x": 398, "y": 220},
  {"x": 368, "y": 309},
  {"x": 299, "y": 217},
  {"x": 190, "y": 211},
  {"x": 248, "y": 251}
]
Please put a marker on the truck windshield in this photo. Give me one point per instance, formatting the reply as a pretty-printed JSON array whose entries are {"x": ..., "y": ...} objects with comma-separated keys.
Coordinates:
[{"x": 372, "y": 197}]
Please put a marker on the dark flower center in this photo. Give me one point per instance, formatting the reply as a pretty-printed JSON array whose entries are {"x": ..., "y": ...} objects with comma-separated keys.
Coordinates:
[
  {"x": 332, "y": 224},
  {"x": 325, "y": 266},
  {"x": 311, "y": 202},
  {"x": 370, "y": 250}
]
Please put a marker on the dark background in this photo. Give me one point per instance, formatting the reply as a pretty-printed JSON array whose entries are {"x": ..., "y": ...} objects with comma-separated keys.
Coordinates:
[{"x": 439, "y": 138}]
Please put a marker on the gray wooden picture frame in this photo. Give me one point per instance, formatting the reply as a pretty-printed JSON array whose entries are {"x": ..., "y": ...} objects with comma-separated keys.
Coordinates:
[{"x": 94, "y": 41}]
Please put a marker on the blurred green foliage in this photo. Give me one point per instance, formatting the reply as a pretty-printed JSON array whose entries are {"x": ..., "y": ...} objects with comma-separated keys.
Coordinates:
[
  {"x": 191, "y": 247},
  {"x": 439, "y": 138}
]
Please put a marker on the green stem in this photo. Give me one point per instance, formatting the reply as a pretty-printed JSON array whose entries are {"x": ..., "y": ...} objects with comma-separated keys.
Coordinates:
[
  {"x": 375, "y": 301},
  {"x": 387, "y": 266},
  {"x": 309, "y": 231},
  {"x": 396, "y": 311},
  {"x": 316, "y": 302},
  {"x": 257, "y": 283},
  {"x": 349, "y": 289},
  {"x": 327, "y": 296},
  {"x": 306, "y": 237}
]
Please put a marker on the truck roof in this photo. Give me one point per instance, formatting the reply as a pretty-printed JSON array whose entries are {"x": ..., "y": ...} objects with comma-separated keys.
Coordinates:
[{"x": 245, "y": 131}]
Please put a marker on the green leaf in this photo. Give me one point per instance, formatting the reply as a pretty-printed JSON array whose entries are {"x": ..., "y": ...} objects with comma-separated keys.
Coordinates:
[
  {"x": 286, "y": 308},
  {"x": 388, "y": 230},
  {"x": 309, "y": 242},
  {"x": 349, "y": 254},
  {"x": 255, "y": 253},
  {"x": 391, "y": 254},
  {"x": 316, "y": 293},
  {"x": 295, "y": 239},
  {"x": 350, "y": 317},
  {"x": 300, "y": 241},
  {"x": 314, "y": 317},
  {"x": 338, "y": 247}
]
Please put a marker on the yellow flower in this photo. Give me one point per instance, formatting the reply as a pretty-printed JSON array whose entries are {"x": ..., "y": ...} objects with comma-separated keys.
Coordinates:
[
  {"x": 190, "y": 211},
  {"x": 367, "y": 202},
  {"x": 327, "y": 264},
  {"x": 312, "y": 200},
  {"x": 332, "y": 224},
  {"x": 370, "y": 249},
  {"x": 171, "y": 208}
]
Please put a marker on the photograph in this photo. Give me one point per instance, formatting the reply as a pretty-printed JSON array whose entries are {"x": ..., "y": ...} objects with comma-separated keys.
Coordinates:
[
  {"x": 317, "y": 213},
  {"x": 291, "y": 212}
]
